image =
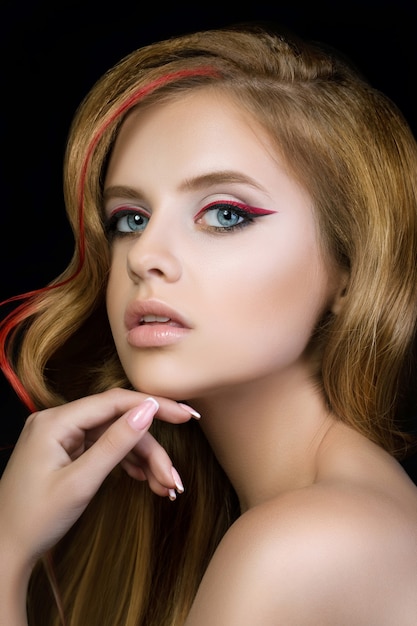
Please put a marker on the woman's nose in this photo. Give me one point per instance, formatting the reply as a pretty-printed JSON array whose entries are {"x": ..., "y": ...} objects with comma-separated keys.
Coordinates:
[{"x": 153, "y": 255}]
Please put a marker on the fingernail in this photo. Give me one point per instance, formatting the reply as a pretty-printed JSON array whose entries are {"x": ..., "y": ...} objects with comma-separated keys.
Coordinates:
[
  {"x": 141, "y": 416},
  {"x": 190, "y": 410},
  {"x": 177, "y": 480},
  {"x": 172, "y": 495}
]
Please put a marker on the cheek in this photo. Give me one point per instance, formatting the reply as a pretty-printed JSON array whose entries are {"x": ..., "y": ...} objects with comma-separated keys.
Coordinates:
[
  {"x": 115, "y": 297},
  {"x": 274, "y": 300}
]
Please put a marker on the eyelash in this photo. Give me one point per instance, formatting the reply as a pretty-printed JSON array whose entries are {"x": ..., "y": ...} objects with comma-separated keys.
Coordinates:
[
  {"x": 241, "y": 210},
  {"x": 247, "y": 213},
  {"x": 110, "y": 225}
]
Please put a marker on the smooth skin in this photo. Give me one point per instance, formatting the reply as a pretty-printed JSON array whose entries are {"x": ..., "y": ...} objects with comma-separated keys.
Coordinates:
[
  {"x": 253, "y": 293},
  {"x": 328, "y": 531},
  {"x": 60, "y": 460}
]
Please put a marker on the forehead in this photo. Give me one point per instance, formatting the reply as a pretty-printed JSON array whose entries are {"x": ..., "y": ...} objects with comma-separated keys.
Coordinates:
[
  {"x": 203, "y": 143},
  {"x": 204, "y": 122},
  {"x": 204, "y": 107},
  {"x": 202, "y": 139}
]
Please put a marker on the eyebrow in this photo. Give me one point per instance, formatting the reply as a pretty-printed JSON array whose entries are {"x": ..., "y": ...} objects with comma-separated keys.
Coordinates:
[
  {"x": 120, "y": 191},
  {"x": 190, "y": 184},
  {"x": 219, "y": 177}
]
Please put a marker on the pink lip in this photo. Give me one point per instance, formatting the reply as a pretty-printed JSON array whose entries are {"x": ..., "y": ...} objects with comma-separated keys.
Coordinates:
[{"x": 154, "y": 334}]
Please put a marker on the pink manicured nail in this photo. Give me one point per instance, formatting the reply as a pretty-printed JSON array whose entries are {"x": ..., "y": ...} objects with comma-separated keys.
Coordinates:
[
  {"x": 172, "y": 495},
  {"x": 190, "y": 410},
  {"x": 141, "y": 416},
  {"x": 177, "y": 480}
]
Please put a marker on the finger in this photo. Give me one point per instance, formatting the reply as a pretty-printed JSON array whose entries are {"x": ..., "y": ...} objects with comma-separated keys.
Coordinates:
[
  {"x": 149, "y": 460},
  {"x": 153, "y": 459},
  {"x": 97, "y": 410},
  {"x": 136, "y": 472},
  {"x": 113, "y": 445},
  {"x": 133, "y": 470}
]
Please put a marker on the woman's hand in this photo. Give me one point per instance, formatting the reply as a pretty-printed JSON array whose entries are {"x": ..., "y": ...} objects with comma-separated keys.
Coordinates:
[{"x": 63, "y": 455}]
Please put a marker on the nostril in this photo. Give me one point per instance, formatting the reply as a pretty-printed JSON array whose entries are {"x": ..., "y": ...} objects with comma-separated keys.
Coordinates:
[{"x": 155, "y": 266}]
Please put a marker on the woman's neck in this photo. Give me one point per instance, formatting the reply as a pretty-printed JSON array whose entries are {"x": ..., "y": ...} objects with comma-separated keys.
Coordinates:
[{"x": 267, "y": 433}]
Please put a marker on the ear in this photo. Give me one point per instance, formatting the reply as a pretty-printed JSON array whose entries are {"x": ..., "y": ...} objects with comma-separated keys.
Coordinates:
[{"x": 340, "y": 294}]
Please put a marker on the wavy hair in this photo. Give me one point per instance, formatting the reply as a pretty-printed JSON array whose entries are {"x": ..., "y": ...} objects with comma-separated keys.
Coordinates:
[{"x": 134, "y": 559}]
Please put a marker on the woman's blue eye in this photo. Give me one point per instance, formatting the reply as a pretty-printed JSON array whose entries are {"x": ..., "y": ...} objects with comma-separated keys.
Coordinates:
[
  {"x": 125, "y": 222},
  {"x": 224, "y": 217},
  {"x": 131, "y": 222}
]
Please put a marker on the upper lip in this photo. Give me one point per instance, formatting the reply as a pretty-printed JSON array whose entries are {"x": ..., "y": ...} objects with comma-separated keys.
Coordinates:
[{"x": 136, "y": 310}]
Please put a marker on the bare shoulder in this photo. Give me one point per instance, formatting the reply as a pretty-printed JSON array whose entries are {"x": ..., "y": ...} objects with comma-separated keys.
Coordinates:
[{"x": 326, "y": 554}]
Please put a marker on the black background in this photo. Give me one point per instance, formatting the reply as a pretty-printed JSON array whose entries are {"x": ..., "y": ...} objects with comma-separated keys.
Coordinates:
[{"x": 51, "y": 55}]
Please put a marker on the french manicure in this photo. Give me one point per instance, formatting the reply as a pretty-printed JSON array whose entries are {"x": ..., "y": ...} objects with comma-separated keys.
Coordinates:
[
  {"x": 190, "y": 410},
  {"x": 177, "y": 480},
  {"x": 141, "y": 416},
  {"x": 172, "y": 495}
]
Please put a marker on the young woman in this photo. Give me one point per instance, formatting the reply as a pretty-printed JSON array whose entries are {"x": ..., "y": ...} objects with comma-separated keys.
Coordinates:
[{"x": 245, "y": 215}]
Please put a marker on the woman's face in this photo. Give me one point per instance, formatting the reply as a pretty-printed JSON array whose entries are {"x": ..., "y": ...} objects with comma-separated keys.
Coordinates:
[{"x": 217, "y": 276}]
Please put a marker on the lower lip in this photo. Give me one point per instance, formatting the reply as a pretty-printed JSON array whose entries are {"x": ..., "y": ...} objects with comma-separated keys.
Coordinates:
[{"x": 155, "y": 335}]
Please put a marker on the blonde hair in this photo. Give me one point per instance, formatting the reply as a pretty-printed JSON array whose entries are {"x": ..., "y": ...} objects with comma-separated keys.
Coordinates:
[{"x": 136, "y": 559}]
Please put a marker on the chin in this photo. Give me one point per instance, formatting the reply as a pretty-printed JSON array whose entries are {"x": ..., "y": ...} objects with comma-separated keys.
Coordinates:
[{"x": 178, "y": 393}]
